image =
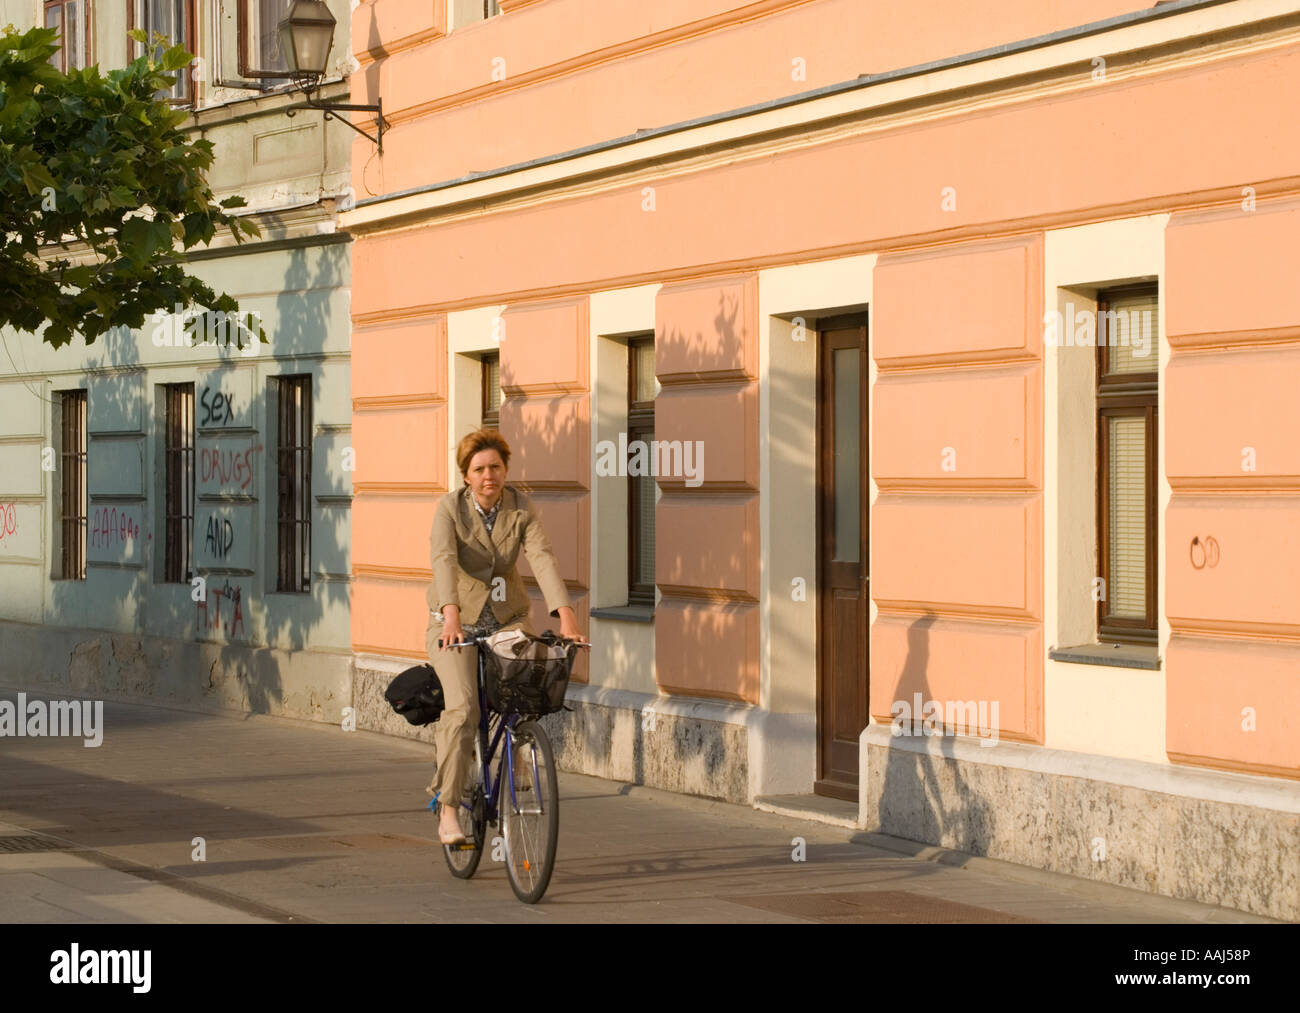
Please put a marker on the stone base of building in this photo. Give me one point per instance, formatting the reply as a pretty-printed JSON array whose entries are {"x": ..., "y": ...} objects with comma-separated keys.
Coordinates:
[
  {"x": 309, "y": 684},
  {"x": 370, "y": 678},
  {"x": 1189, "y": 833},
  {"x": 713, "y": 748}
]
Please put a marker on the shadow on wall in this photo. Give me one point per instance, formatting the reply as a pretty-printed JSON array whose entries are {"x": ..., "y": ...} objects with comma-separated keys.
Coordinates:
[
  {"x": 542, "y": 445},
  {"x": 681, "y": 754},
  {"x": 911, "y": 800},
  {"x": 231, "y": 650},
  {"x": 725, "y": 344}
]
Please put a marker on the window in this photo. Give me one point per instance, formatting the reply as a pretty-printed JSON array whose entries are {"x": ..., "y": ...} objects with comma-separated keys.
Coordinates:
[
  {"x": 492, "y": 391},
  {"x": 468, "y": 12},
  {"x": 259, "y": 39},
  {"x": 1127, "y": 407},
  {"x": 293, "y": 509},
  {"x": 641, "y": 488},
  {"x": 69, "y": 18},
  {"x": 173, "y": 19},
  {"x": 178, "y": 455},
  {"x": 72, "y": 485}
]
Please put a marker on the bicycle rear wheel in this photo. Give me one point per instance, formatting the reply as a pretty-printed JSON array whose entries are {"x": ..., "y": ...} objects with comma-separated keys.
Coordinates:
[
  {"x": 530, "y": 813},
  {"x": 463, "y": 859}
]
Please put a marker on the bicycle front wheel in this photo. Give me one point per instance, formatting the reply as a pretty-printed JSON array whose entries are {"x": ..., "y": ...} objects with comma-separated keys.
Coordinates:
[
  {"x": 530, "y": 811},
  {"x": 463, "y": 859}
]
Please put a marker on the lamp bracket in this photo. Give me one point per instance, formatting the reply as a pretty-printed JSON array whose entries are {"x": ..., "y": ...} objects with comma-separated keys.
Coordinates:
[{"x": 331, "y": 109}]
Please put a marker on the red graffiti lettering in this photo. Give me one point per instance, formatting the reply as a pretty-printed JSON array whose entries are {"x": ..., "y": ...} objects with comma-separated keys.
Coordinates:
[
  {"x": 208, "y": 621},
  {"x": 8, "y": 521},
  {"x": 108, "y": 525},
  {"x": 227, "y": 467}
]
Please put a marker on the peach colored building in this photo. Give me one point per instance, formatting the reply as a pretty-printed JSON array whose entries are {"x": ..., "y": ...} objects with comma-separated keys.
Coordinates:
[{"x": 965, "y": 341}]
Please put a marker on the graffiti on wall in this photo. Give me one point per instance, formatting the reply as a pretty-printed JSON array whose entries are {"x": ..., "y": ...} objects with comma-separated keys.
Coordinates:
[
  {"x": 220, "y": 537},
  {"x": 8, "y": 522},
  {"x": 217, "y": 408},
  {"x": 228, "y": 620},
  {"x": 1204, "y": 552},
  {"x": 227, "y": 469},
  {"x": 111, "y": 527}
]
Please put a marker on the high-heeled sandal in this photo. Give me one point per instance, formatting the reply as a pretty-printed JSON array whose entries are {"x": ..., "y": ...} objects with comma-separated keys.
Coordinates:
[{"x": 458, "y": 837}]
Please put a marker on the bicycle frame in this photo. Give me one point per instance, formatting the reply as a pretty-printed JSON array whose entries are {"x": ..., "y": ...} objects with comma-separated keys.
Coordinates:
[{"x": 487, "y": 751}]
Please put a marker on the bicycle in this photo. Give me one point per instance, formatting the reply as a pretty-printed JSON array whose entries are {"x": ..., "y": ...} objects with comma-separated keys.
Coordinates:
[{"x": 530, "y": 813}]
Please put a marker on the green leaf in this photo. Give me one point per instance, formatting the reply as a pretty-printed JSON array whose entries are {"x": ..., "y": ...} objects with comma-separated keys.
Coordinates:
[
  {"x": 160, "y": 237},
  {"x": 133, "y": 238},
  {"x": 124, "y": 197},
  {"x": 176, "y": 57},
  {"x": 36, "y": 177}
]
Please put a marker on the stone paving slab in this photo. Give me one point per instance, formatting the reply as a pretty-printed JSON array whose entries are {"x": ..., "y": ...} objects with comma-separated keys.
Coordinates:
[
  {"x": 58, "y": 887},
  {"x": 306, "y": 822}
]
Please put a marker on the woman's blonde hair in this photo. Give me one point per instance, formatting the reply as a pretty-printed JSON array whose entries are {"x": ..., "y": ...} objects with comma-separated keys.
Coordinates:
[{"x": 481, "y": 439}]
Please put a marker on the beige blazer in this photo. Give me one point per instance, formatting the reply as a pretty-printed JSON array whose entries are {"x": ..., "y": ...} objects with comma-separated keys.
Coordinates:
[{"x": 466, "y": 559}]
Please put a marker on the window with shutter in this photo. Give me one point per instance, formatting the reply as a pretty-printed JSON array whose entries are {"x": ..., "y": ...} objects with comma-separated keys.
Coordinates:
[
  {"x": 1127, "y": 412},
  {"x": 491, "y": 415},
  {"x": 641, "y": 488}
]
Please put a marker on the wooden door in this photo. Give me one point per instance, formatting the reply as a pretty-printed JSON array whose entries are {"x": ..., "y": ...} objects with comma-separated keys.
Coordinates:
[{"x": 842, "y": 572}]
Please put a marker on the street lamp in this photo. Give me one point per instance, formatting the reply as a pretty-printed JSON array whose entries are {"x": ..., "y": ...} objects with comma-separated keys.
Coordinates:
[{"x": 306, "y": 35}]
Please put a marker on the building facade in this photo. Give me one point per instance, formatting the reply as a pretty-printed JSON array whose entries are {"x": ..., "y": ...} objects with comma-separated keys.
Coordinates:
[
  {"x": 961, "y": 345},
  {"x": 176, "y": 507}
]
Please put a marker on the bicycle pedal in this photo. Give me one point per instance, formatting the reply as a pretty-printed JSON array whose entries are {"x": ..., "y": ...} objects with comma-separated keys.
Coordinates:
[{"x": 462, "y": 846}]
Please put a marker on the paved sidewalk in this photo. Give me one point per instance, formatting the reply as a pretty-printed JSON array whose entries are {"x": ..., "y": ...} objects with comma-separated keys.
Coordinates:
[{"x": 304, "y": 822}]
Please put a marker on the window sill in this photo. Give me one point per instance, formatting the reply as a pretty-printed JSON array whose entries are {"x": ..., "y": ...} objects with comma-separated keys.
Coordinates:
[
  {"x": 1112, "y": 655},
  {"x": 625, "y": 613}
]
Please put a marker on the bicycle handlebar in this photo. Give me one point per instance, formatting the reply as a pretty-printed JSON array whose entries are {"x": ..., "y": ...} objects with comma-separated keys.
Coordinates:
[{"x": 474, "y": 642}]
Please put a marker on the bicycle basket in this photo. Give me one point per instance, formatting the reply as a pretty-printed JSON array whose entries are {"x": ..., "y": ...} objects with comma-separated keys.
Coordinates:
[{"x": 525, "y": 673}]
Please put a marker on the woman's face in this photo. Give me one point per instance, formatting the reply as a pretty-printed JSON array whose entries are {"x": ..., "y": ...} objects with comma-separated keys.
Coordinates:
[{"x": 486, "y": 476}]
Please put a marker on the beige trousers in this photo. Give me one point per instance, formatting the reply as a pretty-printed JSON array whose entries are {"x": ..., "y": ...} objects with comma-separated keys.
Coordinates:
[{"x": 456, "y": 730}]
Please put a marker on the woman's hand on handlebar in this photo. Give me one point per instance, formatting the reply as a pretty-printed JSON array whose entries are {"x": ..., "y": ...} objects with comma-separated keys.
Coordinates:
[
  {"x": 451, "y": 630},
  {"x": 569, "y": 626}
]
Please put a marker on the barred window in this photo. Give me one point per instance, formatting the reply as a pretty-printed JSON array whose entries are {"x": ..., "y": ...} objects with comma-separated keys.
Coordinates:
[
  {"x": 72, "y": 485},
  {"x": 293, "y": 510},
  {"x": 178, "y": 480}
]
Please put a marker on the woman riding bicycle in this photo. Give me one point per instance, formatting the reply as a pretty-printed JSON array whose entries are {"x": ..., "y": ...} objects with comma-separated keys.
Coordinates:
[{"x": 478, "y": 531}]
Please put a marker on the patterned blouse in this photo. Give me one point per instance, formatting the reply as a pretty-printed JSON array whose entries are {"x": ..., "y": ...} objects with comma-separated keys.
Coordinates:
[{"x": 487, "y": 622}]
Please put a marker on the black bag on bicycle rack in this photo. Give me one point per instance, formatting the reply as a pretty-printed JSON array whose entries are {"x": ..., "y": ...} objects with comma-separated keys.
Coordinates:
[
  {"x": 416, "y": 694},
  {"x": 526, "y": 673}
]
